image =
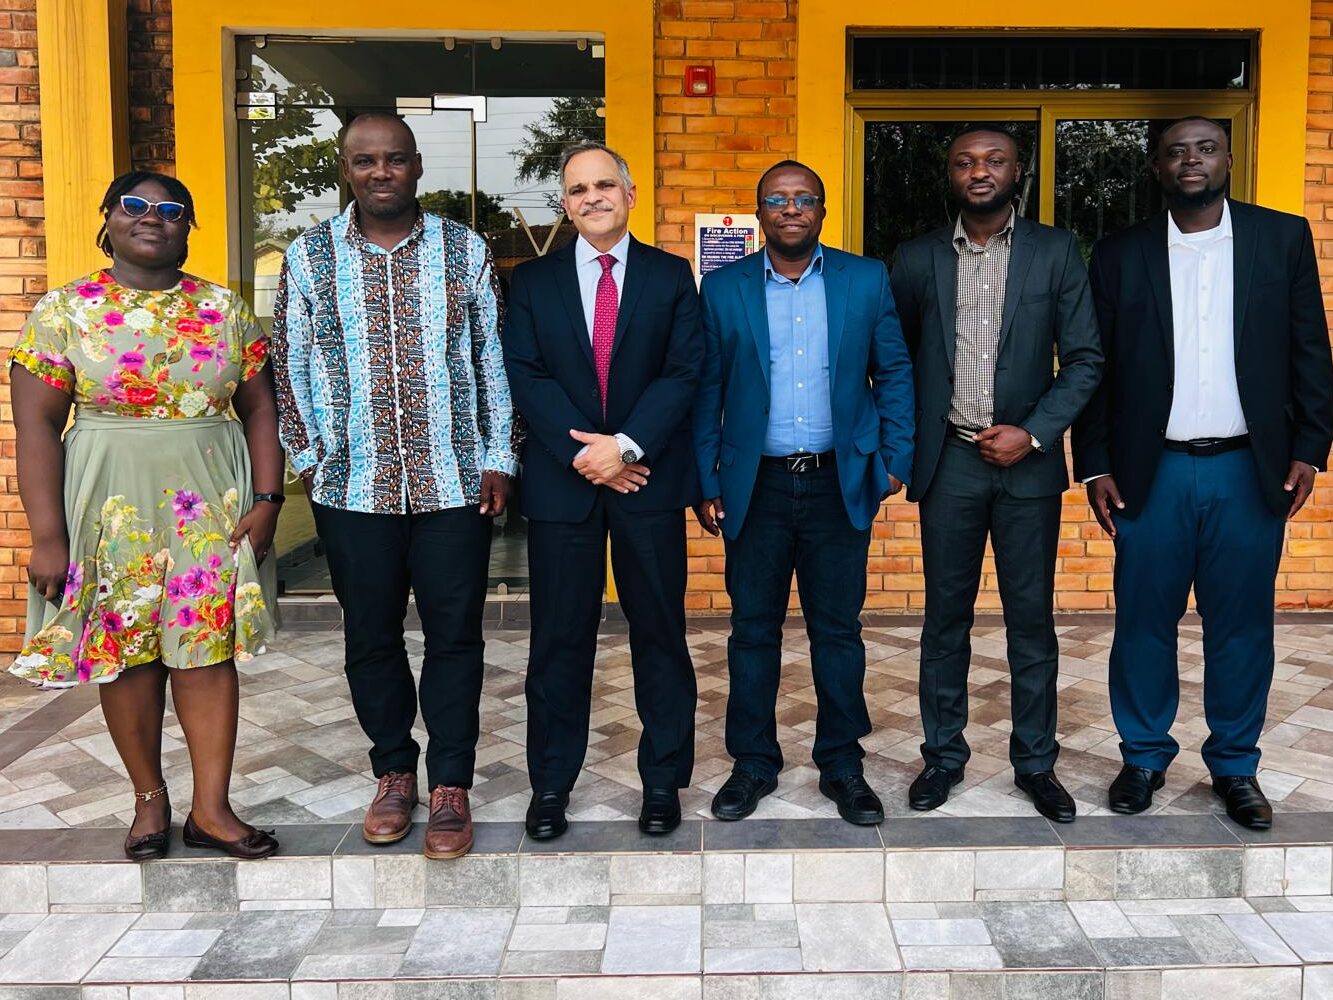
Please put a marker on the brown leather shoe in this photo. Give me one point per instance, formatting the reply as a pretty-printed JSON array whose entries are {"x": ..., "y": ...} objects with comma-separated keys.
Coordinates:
[
  {"x": 389, "y": 817},
  {"x": 449, "y": 829}
]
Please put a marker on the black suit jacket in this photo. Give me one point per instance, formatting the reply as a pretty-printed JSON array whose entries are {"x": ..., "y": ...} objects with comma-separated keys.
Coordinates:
[
  {"x": 1283, "y": 368},
  {"x": 655, "y": 363},
  {"x": 1047, "y": 310}
]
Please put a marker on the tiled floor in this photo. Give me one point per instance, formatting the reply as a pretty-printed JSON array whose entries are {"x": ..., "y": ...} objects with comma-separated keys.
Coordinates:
[{"x": 302, "y": 756}]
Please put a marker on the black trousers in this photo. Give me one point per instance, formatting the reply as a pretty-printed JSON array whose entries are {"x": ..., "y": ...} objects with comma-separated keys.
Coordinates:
[
  {"x": 966, "y": 502},
  {"x": 442, "y": 557},
  {"x": 567, "y": 569}
]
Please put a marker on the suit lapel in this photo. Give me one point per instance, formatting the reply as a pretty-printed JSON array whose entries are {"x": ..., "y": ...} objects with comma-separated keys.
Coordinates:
[
  {"x": 1158, "y": 263},
  {"x": 751, "y": 288},
  {"x": 1243, "y": 247},
  {"x": 946, "y": 290},
  {"x": 836, "y": 283},
  {"x": 636, "y": 277},
  {"x": 567, "y": 280},
  {"x": 1020, "y": 260}
]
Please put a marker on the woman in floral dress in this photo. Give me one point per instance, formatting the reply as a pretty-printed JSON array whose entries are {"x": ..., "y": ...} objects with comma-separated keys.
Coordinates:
[{"x": 150, "y": 518}]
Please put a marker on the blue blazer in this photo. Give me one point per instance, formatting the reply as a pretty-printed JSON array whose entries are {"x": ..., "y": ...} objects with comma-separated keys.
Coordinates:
[{"x": 870, "y": 378}]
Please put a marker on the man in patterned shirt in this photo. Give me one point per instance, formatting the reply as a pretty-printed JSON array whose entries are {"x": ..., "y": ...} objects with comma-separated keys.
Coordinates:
[
  {"x": 395, "y": 410},
  {"x": 986, "y": 304}
]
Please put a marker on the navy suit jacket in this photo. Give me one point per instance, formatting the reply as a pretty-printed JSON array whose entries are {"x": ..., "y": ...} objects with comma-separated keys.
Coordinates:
[
  {"x": 870, "y": 382},
  {"x": 655, "y": 361}
]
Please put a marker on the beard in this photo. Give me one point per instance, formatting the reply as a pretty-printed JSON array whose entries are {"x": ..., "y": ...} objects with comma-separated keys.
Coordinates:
[
  {"x": 1198, "y": 199},
  {"x": 389, "y": 209},
  {"x": 1001, "y": 198}
]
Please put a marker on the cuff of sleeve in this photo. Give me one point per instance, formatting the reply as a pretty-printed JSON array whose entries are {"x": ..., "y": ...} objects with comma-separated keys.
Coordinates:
[
  {"x": 900, "y": 468},
  {"x": 627, "y": 443},
  {"x": 1087, "y": 479},
  {"x": 501, "y": 461},
  {"x": 710, "y": 487},
  {"x": 303, "y": 461}
]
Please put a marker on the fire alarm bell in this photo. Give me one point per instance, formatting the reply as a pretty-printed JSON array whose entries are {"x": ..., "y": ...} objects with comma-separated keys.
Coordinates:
[{"x": 699, "y": 81}]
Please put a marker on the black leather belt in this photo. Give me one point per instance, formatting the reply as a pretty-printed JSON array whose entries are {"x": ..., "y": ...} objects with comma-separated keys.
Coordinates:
[
  {"x": 800, "y": 462},
  {"x": 1204, "y": 447},
  {"x": 967, "y": 434}
]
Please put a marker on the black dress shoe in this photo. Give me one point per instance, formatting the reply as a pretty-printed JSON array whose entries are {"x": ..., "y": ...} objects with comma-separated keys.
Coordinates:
[
  {"x": 740, "y": 795},
  {"x": 254, "y": 845},
  {"x": 856, "y": 802},
  {"x": 1048, "y": 795},
  {"x": 546, "y": 815},
  {"x": 930, "y": 790},
  {"x": 1131, "y": 792},
  {"x": 1246, "y": 803},
  {"x": 661, "y": 810}
]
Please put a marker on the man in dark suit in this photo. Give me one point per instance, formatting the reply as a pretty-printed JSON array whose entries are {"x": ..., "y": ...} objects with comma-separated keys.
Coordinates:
[
  {"x": 803, "y": 425},
  {"x": 1204, "y": 438},
  {"x": 986, "y": 304},
  {"x": 603, "y": 350}
]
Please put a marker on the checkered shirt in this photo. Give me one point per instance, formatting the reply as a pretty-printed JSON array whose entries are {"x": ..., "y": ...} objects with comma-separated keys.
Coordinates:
[{"x": 982, "y": 272}]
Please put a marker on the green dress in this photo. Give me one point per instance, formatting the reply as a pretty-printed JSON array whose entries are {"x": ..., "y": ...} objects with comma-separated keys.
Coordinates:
[{"x": 156, "y": 476}]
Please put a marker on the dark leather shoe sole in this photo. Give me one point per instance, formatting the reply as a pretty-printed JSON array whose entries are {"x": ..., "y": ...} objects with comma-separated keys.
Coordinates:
[
  {"x": 749, "y": 806},
  {"x": 657, "y": 825},
  {"x": 857, "y": 817},
  {"x": 925, "y": 804},
  {"x": 1126, "y": 806}
]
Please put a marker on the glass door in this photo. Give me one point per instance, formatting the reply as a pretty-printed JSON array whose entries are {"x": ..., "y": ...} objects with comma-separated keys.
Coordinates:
[{"x": 490, "y": 117}]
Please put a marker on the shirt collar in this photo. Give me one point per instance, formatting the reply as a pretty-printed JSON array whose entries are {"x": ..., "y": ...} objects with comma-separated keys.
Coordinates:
[
  {"x": 816, "y": 265},
  {"x": 1222, "y": 231},
  {"x": 586, "y": 253},
  {"x": 962, "y": 242},
  {"x": 355, "y": 236}
]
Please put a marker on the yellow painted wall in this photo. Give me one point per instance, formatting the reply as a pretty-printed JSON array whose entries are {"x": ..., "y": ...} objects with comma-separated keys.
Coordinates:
[
  {"x": 203, "y": 33},
  {"x": 1283, "y": 27}
]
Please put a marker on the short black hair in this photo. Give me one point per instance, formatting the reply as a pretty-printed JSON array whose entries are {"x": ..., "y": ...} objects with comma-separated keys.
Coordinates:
[
  {"x": 991, "y": 128},
  {"x": 126, "y": 183},
  {"x": 780, "y": 165},
  {"x": 371, "y": 116},
  {"x": 1157, "y": 143}
]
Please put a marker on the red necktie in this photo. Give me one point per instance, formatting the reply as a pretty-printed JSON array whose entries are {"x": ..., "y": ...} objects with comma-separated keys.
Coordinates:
[{"x": 604, "y": 324}]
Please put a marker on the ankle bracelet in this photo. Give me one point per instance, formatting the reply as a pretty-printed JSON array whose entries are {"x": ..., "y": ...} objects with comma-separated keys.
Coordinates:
[{"x": 149, "y": 796}]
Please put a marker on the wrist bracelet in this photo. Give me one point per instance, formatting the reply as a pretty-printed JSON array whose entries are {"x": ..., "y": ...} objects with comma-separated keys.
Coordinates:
[{"x": 276, "y": 498}]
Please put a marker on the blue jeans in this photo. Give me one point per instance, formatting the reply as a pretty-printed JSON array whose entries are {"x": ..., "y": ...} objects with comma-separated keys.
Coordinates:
[
  {"x": 1205, "y": 523},
  {"x": 797, "y": 522}
]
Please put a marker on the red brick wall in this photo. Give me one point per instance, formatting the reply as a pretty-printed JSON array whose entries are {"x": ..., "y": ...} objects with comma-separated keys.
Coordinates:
[{"x": 152, "y": 115}]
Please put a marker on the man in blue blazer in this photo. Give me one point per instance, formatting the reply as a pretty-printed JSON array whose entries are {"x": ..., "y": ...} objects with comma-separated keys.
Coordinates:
[
  {"x": 603, "y": 351},
  {"x": 803, "y": 425}
]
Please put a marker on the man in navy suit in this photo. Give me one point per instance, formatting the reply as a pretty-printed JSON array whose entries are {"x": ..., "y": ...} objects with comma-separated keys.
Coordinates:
[
  {"x": 802, "y": 426},
  {"x": 603, "y": 351}
]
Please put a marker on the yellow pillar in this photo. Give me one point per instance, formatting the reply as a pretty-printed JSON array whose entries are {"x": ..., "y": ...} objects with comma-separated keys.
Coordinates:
[{"x": 83, "y": 78}]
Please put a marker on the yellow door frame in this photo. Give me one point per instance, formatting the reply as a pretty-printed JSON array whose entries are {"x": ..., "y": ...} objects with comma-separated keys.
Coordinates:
[
  {"x": 825, "y": 28},
  {"x": 1045, "y": 108}
]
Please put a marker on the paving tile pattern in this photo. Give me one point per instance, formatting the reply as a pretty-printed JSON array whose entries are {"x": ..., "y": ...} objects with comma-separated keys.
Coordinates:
[{"x": 302, "y": 757}]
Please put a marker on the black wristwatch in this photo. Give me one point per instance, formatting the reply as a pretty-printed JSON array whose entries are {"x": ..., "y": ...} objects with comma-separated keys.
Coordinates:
[{"x": 276, "y": 498}]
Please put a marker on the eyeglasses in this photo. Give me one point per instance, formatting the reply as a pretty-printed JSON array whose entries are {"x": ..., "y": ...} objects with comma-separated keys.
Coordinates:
[
  {"x": 804, "y": 202},
  {"x": 137, "y": 208}
]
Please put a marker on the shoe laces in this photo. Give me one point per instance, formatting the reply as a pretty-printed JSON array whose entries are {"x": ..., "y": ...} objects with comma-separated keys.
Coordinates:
[
  {"x": 448, "y": 797},
  {"x": 395, "y": 781}
]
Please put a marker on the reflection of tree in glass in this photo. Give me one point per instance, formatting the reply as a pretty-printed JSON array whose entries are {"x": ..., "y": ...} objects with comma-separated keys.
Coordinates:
[
  {"x": 569, "y": 120},
  {"x": 290, "y": 162},
  {"x": 457, "y": 205},
  {"x": 1102, "y": 181}
]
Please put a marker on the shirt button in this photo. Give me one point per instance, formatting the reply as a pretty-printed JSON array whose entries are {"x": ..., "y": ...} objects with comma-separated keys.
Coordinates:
[
  {"x": 800, "y": 385},
  {"x": 798, "y": 319},
  {"x": 985, "y": 288},
  {"x": 985, "y": 357},
  {"x": 799, "y": 353},
  {"x": 985, "y": 322},
  {"x": 800, "y": 420}
]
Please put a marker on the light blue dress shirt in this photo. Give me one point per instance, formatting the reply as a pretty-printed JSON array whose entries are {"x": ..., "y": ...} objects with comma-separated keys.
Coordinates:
[{"x": 800, "y": 417}]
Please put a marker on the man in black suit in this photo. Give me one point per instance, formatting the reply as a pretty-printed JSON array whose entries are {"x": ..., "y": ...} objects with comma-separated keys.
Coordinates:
[
  {"x": 1204, "y": 438},
  {"x": 603, "y": 349},
  {"x": 986, "y": 305}
]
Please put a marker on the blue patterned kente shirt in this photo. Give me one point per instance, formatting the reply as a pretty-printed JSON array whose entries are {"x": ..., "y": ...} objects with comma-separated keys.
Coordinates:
[{"x": 390, "y": 378}]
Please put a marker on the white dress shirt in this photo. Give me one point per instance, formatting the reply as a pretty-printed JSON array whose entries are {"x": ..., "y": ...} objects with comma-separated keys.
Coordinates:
[
  {"x": 589, "y": 271},
  {"x": 1206, "y": 401}
]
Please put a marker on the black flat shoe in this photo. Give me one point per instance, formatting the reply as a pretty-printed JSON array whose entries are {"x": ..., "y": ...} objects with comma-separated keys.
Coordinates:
[
  {"x": 254, "y": 845},
  {"x": 1048, "y": 795},
  {"x": 1131, "y": 792},
  {"x": 857, "y": 803},
  {"x": 546, "y": 815},
  {"x": 1246, "y": 803},
  {"x": 149, "y": 846},
  {"x": 661, "y": 810},
  {"x": 740, "y": 795},
  {"x": 930, "y": 790}
]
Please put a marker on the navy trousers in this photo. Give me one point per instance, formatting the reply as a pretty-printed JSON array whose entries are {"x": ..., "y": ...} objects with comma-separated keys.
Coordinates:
[
  {"x": 1205, "y": 524},
  {"x": 797, "y": 522}
]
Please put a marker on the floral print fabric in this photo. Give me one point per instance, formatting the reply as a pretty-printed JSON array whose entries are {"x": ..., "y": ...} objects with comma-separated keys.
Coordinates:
[{"x": 156, "y": 478}]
